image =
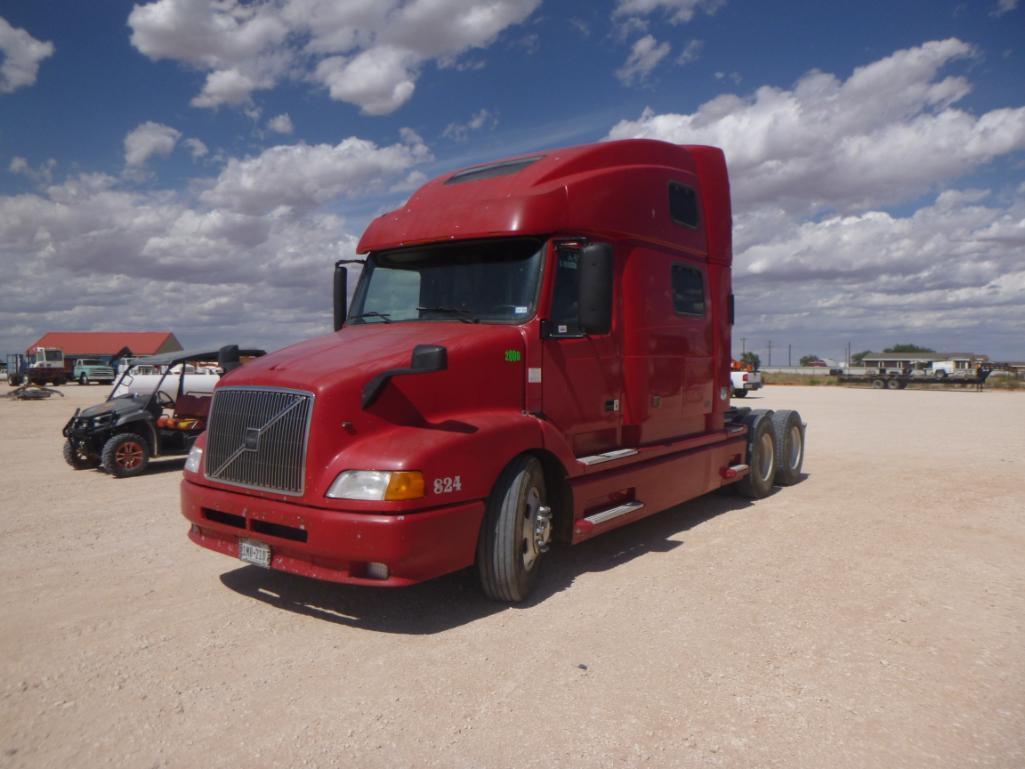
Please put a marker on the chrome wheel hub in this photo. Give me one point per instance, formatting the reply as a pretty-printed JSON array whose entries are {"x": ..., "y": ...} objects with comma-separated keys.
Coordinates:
[{"x": 537, "y": 528}]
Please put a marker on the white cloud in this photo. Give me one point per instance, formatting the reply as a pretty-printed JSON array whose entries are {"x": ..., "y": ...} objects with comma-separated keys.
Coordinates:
[
  {"x": 229, "y": 86},
  {"x": 149, "y": 139},
  {"x": 949, "y": 275},
  {"x": 196, "y": 148},
  {"x": 41, "y": 176},
  {"x": 366, "y": 52},
  {"x": 580, "y": 26},
  {"x": 678, "y": 11},
  {"x": 244, "y": 257},
  {"x": 459, "y": 132},
  {"x": 379, "y": 80},
  {"x": 887, "y": 133},
  {"x": 645, "y": 55},
  {"x": 281, "y": 124},
  {"x": 1004, "y": 6},
  {"x": 21, "y": 55},
  {"x": 819, "y": 260},
  {"x": 691, "y": 52},
  {"x": 300, "y": 177}
]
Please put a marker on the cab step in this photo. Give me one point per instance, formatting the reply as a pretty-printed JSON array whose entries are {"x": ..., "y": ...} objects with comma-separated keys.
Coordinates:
[
  {"x": 608, "y": 456},
  {"x": 586, "y": 524}
]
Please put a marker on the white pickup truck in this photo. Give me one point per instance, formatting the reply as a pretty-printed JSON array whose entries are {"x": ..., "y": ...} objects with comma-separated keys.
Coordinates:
[{"x": 744, "y": 381}]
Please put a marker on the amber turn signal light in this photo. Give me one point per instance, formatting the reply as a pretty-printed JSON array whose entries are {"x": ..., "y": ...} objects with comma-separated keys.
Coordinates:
[{"x": 405, "y": 484}]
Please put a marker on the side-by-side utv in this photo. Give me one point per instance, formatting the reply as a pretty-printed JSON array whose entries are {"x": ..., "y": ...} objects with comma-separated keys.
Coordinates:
[{"x": 134, "y": 424}]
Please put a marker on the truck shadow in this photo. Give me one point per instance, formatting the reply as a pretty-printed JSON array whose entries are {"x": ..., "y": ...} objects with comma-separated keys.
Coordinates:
[
  {"x": 456, "y": 599},
  {"x": 166, "y": 465}
]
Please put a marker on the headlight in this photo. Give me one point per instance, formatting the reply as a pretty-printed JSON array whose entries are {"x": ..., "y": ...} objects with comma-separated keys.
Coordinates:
[
  {"x": 377, "y": 485},
  {"x": 194, "y": 460}
]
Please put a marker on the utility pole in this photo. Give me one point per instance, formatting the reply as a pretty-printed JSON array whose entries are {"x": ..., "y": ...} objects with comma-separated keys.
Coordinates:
[
  {"x": 770, "y": 353},
  {"x": 743, "y": 346},
  {"x": 790, "y": 362}
]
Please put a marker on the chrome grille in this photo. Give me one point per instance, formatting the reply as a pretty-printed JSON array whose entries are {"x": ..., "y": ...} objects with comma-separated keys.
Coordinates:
[{"x": 256, "y": 437}]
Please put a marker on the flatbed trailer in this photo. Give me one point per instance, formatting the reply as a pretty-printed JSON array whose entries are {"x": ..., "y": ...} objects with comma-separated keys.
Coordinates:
[{"x": 893, "y": 381}]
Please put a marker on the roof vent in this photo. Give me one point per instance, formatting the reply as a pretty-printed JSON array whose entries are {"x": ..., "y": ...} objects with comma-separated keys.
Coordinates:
[{"x": 504, "y": 168}]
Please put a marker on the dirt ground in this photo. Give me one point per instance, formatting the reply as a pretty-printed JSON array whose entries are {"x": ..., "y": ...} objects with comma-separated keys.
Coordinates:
[{"x": 871, "y": 616}]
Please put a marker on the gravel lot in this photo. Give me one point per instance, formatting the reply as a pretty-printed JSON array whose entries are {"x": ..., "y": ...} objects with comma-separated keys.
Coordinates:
[{"x": 871, "y": 616}]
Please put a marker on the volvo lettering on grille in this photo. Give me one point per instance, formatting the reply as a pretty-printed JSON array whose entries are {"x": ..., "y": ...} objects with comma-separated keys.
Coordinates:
[{"x": 256, "y": 438}]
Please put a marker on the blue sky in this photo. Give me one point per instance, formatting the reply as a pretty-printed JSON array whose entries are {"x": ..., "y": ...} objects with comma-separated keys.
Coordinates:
[{"x": 198, "y": 165}]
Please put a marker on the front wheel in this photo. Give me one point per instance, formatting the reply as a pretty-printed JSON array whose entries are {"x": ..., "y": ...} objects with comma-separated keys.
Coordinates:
[
  {"x": 79, "y": 458},
  {"x": 125, "y": 455},
  {"x": 516, "y": 532},
  {"x": 82, "y": 380},
  {"x": 740, "y": 393}
]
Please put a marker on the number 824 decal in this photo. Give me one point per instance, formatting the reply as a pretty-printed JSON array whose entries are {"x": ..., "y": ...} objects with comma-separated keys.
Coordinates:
[{"x": 448, "y": 484}]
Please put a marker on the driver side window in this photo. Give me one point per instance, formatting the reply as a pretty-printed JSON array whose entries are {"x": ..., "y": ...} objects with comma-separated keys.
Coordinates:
[{"x": 565, "y": 312}]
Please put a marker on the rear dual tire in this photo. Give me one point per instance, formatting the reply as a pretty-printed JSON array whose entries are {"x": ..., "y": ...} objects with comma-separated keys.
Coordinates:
[
  {"x": 761, "y": 460},
  {"x": 775, "y": 452},
  {"x": 788, "y": 440}
]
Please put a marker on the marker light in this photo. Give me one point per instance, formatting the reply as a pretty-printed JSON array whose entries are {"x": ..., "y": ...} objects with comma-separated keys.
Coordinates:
[{"x": 377, "y": 485}]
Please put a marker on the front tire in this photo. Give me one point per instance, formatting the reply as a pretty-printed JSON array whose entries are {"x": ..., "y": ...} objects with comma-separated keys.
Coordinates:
[
  {"x": 516, "y": 532},
  {"x": 82, "y": 380},
  {"x": 125, "y": 455},
  {"x": 79, "y": 458},
  {"x": 740, "y": 393}
]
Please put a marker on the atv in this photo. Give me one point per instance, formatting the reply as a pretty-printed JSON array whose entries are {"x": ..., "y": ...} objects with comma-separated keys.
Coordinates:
[{"x": 133, "y": 425}]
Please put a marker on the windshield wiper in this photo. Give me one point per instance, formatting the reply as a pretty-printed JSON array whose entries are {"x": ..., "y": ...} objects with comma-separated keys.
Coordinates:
[
  {"x": 464, "y": 315},
  {"x": 386, "y": 317}
]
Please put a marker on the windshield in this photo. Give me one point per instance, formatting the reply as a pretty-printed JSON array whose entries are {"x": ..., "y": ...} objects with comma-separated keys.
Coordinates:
[
  {"x": 90, "y": 363},
  {"x": 486, "y": 281}
]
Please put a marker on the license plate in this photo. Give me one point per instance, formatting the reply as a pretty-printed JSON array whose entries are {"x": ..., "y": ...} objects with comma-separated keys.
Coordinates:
[{"x": 251, "y": 551}]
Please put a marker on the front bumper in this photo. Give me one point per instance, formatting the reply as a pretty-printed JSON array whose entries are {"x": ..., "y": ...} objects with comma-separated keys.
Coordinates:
[{"x": 333, "y": 545}]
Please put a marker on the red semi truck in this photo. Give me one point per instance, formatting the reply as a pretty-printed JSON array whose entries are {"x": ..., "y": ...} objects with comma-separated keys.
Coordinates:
[{"x": 537, "y": 351}]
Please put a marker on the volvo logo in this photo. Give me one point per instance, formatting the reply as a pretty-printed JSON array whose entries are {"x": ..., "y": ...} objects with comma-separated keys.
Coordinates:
[{"x": 251, "y": 440}]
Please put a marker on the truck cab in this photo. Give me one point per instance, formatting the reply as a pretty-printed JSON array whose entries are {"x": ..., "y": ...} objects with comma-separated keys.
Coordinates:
[
  {"x": 88, "y": 370},
  {"x": 537, "y": 351}
]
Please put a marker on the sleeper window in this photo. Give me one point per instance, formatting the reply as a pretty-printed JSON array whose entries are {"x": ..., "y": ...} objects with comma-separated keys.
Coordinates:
[
  {"x": 688, "y": 290},
  {"x": 683, "y": 204}
]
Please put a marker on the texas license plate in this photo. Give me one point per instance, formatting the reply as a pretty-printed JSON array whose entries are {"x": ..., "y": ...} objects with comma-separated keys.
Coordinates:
[{"x": 251, "y": 551}]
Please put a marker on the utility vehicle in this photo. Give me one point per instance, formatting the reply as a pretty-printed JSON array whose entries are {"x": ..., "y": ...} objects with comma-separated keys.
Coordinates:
[{"x": 124, "y": 432}]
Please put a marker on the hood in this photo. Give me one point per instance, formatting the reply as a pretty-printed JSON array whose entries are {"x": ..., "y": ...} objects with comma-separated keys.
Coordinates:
[
  {"x": 357, "y": 353},
  {"x": 118, "y": 406},
  {"x": 486, "y": 372}
]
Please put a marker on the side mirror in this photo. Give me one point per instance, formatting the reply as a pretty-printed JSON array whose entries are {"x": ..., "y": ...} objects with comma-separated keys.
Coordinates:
[
  {"x": 429, "y": 357},
  {"x": 341, "y": 289},
  {"x": 227, "y": 358},
  {"x": 426, "y": 358},
  {"x": 596, "y": 274}
]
